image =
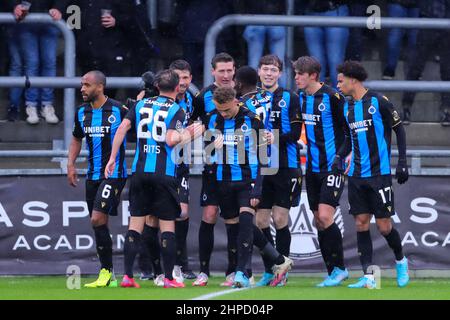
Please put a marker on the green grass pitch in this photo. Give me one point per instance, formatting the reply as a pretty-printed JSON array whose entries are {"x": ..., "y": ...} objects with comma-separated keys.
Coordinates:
[{"x": 298, "y": 288}]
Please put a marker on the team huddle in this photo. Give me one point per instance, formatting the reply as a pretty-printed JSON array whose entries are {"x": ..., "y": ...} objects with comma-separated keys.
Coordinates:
[{"x": 249, "y": 127}]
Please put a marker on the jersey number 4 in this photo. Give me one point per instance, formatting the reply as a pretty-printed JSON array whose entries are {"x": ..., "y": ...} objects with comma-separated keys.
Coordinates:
[{"x": 156, "y": 122}]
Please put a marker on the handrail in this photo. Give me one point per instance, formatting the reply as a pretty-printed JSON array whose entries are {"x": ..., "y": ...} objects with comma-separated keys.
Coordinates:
[{"x": 318, "y": 21}]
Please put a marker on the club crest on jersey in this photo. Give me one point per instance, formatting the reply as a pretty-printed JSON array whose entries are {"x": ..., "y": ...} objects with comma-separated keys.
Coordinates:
[
  {"x": 244, "y": 128},
  {"x": 112, "y": 119},
  {"x": 322, "y": 107},
  {"x": 282, "y": 103},
  {"x": 372, "y": 109}
]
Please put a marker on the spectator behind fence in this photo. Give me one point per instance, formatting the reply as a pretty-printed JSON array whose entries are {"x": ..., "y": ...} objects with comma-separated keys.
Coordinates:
[
  {"x": 256, "y": 36},
  {"x": 38, "y": 43},
  {"x": 355, "y": 46},
  {"x": 399, "y": 9},
  {"x": 141, "y": 50},
  {"x": 196, "y": 16},
  {"x": 430, "y": 42},
  {"x": 101, "y": 41},
  {"x": 327, "y": 44},
  {"x": 10, "y": 58}
]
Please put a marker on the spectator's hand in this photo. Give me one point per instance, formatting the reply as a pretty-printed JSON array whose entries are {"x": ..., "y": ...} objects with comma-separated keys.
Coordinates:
[
  {"x": 72, "y": 175},
  {"x": 19, "y": 12},
  {"x": 108, "y": 21},
  {"x": 55, "y": 14}
]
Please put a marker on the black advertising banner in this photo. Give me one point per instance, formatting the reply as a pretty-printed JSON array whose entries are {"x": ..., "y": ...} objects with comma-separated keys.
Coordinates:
[{"x": 45, "y": 228}]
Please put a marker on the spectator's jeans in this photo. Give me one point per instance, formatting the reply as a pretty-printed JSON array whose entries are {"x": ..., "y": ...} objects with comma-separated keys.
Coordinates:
[
  {"x": 395, "y": 36},
  {"x": 256, "y": 36},
  {"x": 328, "y": 44},
  {"x": 15, "y": 65},
  {"x": 38, "y": 46}
]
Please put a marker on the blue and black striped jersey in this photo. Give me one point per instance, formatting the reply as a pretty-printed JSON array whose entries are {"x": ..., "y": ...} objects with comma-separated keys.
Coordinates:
[
  {"x": 369, "y": 125},
  {"x": 203, "y": 106},
  {"x": 238, "y": 160},
  {"x": 152, "y": 118},
  {"x": 285, "y": 110},
  {"x": 203, "y": 102},
  {"x": 99, "y": 126},
  {"x": 259, "y": 102},
  {"x": 323, "y": 117},
  {"x": 187, "y": 105}
]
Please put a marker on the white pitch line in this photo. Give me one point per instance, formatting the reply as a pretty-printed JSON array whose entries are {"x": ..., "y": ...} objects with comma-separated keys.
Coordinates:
[{"x": 219, "y": 293}]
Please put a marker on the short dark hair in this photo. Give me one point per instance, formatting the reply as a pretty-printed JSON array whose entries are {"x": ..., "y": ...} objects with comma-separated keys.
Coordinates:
[
  {"x": 224, "y": 94},
  {"x": 180, "y": 65},
  {"x": 271, "y": 59},
  {"x": 166, "y": 80},
  {"x": 99, "y": 77},
  {"x": 221, "y": 57},
  {"x": 247, "y": 76},
  {"x": 353, "y": 69},
  {"x": 307, "y": 64}
]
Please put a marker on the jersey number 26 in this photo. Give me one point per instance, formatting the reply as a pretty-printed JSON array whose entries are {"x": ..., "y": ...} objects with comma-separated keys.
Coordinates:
[{"x": 156, "y": 122}]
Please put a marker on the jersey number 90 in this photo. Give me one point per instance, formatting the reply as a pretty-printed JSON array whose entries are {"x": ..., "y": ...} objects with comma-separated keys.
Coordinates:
[{"x": 156, "y": 122}]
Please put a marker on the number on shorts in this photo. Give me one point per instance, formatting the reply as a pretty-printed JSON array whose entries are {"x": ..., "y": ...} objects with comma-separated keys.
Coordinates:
[
  {"x": 106, "y": 191},
  {"x": 294, "y": 184},
  {"x": 334, "y": 181},
  {"x": 383, "y": 192},
  {"x": 159, "y": 123},
  {"x": 184, "y": 183}
]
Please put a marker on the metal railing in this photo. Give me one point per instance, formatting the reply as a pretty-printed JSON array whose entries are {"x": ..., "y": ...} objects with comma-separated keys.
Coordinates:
[
  {"x": 310, "y": 21},
  {"x": 416, "y": 158}
]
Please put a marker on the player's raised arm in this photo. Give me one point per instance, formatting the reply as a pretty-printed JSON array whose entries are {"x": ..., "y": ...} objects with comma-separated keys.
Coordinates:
[{"x": 118, "y": 140}]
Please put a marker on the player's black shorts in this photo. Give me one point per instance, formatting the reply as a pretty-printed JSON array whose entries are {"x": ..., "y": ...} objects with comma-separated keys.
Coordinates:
[
  {"x": 156, "y": 195},
  {"x": 371, "y": 195},
  {"x": 183, "y": 184},
  {"x": 104, "y": 195},
  {"x": 282, "y": 189},
  {"x": 232, "y": 197},
  {"x": 208, "y": 195},
  {"x": 324, "y": 188}
]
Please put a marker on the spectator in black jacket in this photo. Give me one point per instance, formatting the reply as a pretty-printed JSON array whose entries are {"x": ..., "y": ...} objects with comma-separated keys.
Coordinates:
[
  {"x": 430, "y": 42},
  {"x": 101, "y": 41},
  {"x": 196, "y": 16}
]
